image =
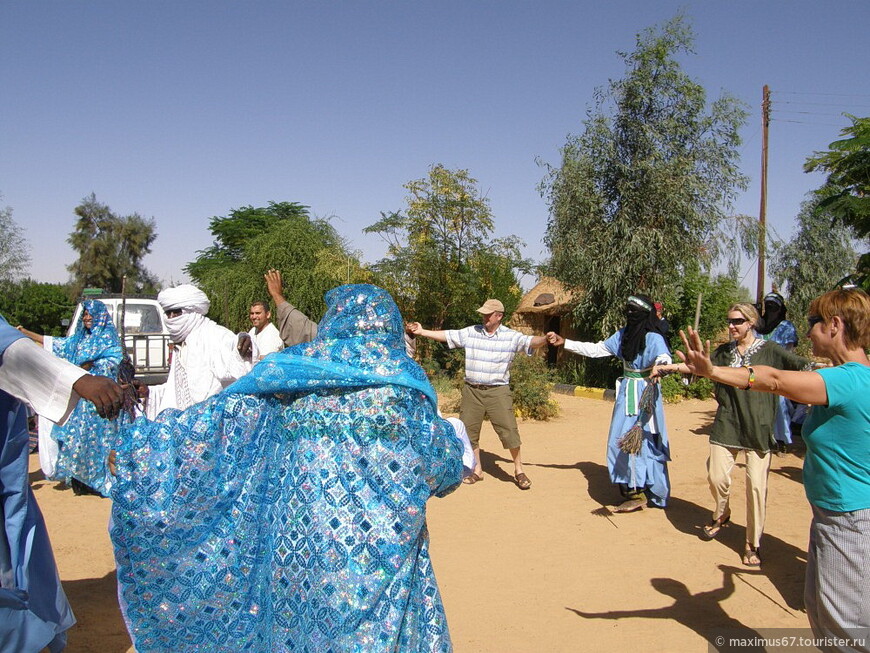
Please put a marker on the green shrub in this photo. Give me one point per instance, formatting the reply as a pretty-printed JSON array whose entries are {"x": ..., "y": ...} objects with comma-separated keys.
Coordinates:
[
  {"x": 701, "y": 388},
  {"x": 531, "y": 381},
  {"x": 674, "y": 390},
  {"x": 449, "y": 393}
]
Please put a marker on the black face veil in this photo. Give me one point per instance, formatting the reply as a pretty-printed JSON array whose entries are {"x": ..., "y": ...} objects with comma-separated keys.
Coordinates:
[
  {"x": 774, "y": 313},
  {"x": 640, "y": 319}
]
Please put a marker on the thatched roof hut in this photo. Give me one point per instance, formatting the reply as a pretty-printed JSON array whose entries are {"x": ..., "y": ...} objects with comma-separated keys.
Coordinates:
[
  {"x": 548, "y": 297},
  {"x": 544, "y": 308}
]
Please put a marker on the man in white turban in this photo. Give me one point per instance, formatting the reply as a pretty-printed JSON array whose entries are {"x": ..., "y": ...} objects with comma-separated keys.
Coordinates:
[{"x": 206, "y": 358}]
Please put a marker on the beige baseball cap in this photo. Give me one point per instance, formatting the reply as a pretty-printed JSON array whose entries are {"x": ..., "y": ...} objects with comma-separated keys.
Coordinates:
[{"x": 491, "y": 306}]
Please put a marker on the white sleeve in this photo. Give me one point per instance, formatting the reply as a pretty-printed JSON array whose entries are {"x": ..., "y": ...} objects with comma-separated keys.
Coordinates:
[
  {"x": 31, "y": 374},
  {"x": 588, "y": 349},
  {"x": 468, "y": 460}
]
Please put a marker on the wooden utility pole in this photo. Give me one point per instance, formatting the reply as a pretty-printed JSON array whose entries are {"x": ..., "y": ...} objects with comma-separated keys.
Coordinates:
[{"x": 762, "y": 212}]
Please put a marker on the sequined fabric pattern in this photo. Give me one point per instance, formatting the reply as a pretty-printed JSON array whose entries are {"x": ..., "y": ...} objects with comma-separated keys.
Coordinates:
[
  {"x": 85, "y": 439},
  {"x": 291, "y": 517}
]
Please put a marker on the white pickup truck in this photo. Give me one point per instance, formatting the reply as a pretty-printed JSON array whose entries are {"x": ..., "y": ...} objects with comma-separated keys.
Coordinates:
[{"x": 145, "y": 335}]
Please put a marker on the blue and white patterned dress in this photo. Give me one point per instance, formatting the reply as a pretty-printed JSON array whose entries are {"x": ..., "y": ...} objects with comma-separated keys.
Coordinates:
[
  {"x": 85, "y": 440},
  {"x": 288, "y": 512},
  {"x": 785, "y": 335}
]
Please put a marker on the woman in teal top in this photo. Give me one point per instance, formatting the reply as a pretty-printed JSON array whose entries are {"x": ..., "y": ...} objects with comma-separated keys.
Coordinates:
[{"x": 837, "y": 465}]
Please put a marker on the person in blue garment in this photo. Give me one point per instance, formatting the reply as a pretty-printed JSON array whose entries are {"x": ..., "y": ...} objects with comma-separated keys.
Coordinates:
[
  {"x": 288, "y": 512},
  {"x": 84, "y": 442},
  {"x": 774, "y": 326},
  {"x": 34, "y": 611},
  {"x": 642, "y": 477}
]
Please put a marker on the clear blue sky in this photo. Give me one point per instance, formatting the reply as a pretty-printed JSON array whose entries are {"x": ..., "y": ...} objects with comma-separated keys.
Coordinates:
[{"x": 181, "y": 111}]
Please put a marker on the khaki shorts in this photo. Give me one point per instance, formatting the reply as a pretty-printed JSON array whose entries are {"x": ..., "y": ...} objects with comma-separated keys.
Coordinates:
[{"x": 495, "y": 402}]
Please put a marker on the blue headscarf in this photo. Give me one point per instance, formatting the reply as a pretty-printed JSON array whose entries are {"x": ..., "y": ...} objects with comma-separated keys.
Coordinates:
[
  {"x": 360, "y": 343},
  {"x": 87, "y": 345}
]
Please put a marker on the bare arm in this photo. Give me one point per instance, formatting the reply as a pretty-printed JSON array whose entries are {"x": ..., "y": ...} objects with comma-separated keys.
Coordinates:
[
  {"x": 417, "y": 329},
  {"x": 803, "y": 387},
  {"x": 538, "y": 341},
  {"x": 659, "y": 371},
  {"x": 37, "y": 338}
]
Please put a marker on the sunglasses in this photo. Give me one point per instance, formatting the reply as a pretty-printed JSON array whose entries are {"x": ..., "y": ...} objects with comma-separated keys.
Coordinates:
[
  {"x": 736, "y": 321},
  {"x": 813, "y": 320}
]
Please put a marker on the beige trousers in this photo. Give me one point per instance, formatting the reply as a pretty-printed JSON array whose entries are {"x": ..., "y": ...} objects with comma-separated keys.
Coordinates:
[{"x": 719, "y": 467}]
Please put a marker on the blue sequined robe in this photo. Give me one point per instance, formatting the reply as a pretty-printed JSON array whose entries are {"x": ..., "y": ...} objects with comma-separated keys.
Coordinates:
[
  {"x": 86, "y": 438},
  {"x": 287, "y": 513}
]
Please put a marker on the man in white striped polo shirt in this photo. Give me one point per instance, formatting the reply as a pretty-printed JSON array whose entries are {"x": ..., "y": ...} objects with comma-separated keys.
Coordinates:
[{"x": 490, "y": 348}]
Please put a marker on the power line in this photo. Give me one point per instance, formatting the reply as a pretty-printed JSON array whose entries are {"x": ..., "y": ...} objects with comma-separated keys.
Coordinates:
[
  {"x": 826, "y": 104},
  {"x": 810, "y": 113},
  {"x": 801, "y": 122},
  {"x": 815, "y": 93}
]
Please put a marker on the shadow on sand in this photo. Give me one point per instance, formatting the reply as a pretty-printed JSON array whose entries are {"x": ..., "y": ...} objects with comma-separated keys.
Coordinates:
[
  {"x": 702, "y": 612},
  {"x": 99, "y": 625}
]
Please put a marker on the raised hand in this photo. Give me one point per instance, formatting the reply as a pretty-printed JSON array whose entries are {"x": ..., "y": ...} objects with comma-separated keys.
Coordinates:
[
  {"x": 275, "y": 285},
  {"x": 697, "y": 354}
]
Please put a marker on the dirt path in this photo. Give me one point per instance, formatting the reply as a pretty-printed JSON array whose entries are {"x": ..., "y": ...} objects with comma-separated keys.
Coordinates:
[{"x": 544, "y": 570}]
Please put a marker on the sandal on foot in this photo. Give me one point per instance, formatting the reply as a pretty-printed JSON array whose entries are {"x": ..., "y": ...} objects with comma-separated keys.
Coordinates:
[
  {"x": 472, "y": 478},
  {"x": 522, "y": 481},
  {"x": 712, "y": 529},
  {"x": 631, "y": 505},
  {"x": 752, "y": 557}
]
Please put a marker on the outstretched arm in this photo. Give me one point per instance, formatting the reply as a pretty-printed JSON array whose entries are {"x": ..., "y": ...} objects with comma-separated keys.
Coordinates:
[
  {"x": 417, "y": 329},
  {"x": 803, "y": 387},
  {"x": 105, "y": 394},
  {"x": 37, "y": 338},
  {"x": 588, "y": 349}
]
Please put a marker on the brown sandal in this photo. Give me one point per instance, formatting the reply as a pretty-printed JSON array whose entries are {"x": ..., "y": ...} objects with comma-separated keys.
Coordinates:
[
  {"x": 712, "y": 529},
  {"x": 472, "y": 478},
  {"x": 631, "y": 505},
  {"x": 752, "y": 556},
  {"x": 522, "y": 481}
]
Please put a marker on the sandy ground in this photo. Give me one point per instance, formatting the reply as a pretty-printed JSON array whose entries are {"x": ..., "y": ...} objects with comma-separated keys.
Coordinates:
[{"x": 549, "y": 569}]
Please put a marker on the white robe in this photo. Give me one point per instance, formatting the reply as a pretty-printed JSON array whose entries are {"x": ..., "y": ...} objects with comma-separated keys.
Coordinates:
[
  {"x": 210, "y": 360},
  {"x": 39, "y": 379},
  {"x": 48, "y": 447},
  {"x": 268, "y": 341}
]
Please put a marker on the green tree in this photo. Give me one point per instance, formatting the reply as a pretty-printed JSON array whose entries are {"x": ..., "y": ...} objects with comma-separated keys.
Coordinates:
[
  {"x": 40, "y": 307},
  {"x": 846, "y": 193},
  {"x": 717, "y": 293},
  {"x": 820, "y": 253},
  {"x": 234, "y": 231},
  {"x": 442, "y": 261},
  {"x": 14, "y": 249},
  {"x": 111, "y": 247},
  {"x": 310, "y": 254},
  {"x": 640, "y": 196}
]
